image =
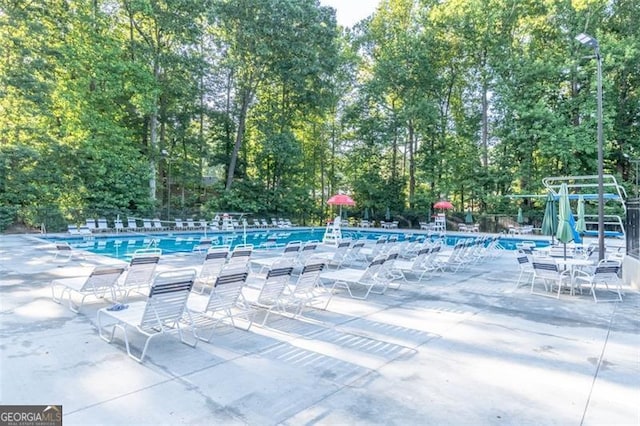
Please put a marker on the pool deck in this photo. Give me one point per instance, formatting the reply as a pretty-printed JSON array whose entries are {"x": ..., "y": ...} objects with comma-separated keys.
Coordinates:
[{"x": 460, "y": 348}]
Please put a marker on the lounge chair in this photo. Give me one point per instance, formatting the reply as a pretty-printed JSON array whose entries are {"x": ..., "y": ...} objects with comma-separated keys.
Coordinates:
[
  {"x": 191, "y": 224},
  {"x": 336, "y": 257},
  {"x": 140, "y": 271},
  {"x": 66, "y": 252},
  {"x": 179, "y": 225},
  {"x": 212, "y": 266},
  {"x": 452, "y": 259},
  {"x": 308, "y": 250},
  {"x": 378, "y": 247},
  {"x": 265, "y": 295},
  {"x": 162, "y": 312},
  {"x": 103, "y": 226},
  {"x": 418, "y": 267},
  {"x": 156, "y": 224},
  {"x": 349, "y": 277},
  {"x": 84, "y": 230},
  {"x": 147, "y": 225},
  {"x": 91, "y": 225},
  {"x": 118, "y": 226},
  {"x": 131, "y": 224},
  {"x": 203, "y": 245},
  {"x": 224, "y": 302},
  {"x": 101, "y": 281},
  {"x": 73, "y": 230},
  {"x": 291, "y": 251},
  {"x": 241, "y": 256},
  {"x": 354, "y": 254},
  {"x": 305, "y": 291}
]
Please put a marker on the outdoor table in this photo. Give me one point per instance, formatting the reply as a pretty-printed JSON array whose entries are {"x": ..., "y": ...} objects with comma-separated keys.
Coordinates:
[{"x": 573, "y": 264}]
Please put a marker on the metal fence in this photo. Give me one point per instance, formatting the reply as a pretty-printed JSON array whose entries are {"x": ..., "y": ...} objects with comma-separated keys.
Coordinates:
[{"x": 633, "y": 227}]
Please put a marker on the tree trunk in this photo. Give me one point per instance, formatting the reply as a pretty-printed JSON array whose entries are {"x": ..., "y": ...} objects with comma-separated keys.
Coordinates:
[
  {"x": 485, "y": 130},
  {"x": 412, "y": 165},
  {"x": 244, "y": 107}
]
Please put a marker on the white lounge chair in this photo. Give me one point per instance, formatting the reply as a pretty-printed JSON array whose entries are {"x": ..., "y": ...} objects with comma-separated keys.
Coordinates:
[
  {"x": 224, "y": 302},
  {"x": 179, "y": 225},
  {"x": 265, "y": 295},
  {"x": 308, "y": 250},
  {"x": 91, "y": 225},
  {"x": 306, "y": 290},
  {"x": 377, "y": 248},
  {"x": 354, "y": 254},
  {"x": 73, "y": 230},
  {"x": 419, "y": 266},
  {"x": 367, "y": 278},
  {"x": 66, "y": 252},
  {"x": 337, "y": 256},
  {"x": 212, "y": 266},
  {"x": 103, "y": 226},
  {"x": 240, "y": 256},
  {"x": 131, "y": 224},
  {"x": 147, "y": 225},
  {"x": 162, "y": 312},
  {"x": 451, "y": 259},
  {"x": 140, "y": 271},
  {"x": 101, "y": 281},
  {"x": 291, "y": 251}
]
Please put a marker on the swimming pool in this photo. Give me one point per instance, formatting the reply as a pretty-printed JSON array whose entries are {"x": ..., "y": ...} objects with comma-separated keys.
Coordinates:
[{"x": 123, "y": 246}]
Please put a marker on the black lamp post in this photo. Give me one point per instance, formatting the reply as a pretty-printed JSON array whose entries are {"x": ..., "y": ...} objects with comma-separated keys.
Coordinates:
[{"x": 587, "y": 40}]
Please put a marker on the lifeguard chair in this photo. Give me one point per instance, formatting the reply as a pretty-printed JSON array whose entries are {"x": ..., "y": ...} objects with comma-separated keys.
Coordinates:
[{"x": 333, "y": 234}]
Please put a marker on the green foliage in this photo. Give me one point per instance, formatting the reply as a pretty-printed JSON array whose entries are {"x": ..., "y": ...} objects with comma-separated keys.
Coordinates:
[{"x": 135, "y": 107}]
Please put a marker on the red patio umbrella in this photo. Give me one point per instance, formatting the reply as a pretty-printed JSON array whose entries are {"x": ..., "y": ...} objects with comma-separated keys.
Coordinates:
[
  {"x": 443, "y": 205},
  {"x": 341, "y": 200}
]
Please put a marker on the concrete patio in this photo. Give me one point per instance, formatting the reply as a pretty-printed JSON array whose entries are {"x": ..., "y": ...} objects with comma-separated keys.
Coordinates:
[{"x": 463, "y": 348}]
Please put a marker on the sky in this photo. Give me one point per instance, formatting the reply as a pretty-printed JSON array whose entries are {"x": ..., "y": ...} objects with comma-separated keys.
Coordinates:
[{"x": 349, "y": 12}]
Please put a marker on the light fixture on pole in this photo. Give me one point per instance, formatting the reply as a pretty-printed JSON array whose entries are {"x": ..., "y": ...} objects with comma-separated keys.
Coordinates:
[{"x": 589, "y": 41}]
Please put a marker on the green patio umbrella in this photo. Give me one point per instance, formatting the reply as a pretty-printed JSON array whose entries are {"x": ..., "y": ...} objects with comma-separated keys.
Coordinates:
[
  {"x": 564, "y": 234},
  {"x": 469, "y": 217},
  {"x": 581, "y": 225},
  {"x": 550, "y": 219},
  {"x": 520, "y": 217},
  {"x": 365, "y": 216},
  {"x": 387, "y": 214}
]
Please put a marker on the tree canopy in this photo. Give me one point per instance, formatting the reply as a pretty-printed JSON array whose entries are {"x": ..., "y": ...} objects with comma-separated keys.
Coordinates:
[{"x": 179, "y": 108}]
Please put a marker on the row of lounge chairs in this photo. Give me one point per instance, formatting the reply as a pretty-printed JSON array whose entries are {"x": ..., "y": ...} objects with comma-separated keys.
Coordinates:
[
  {"x": 521, "y": 230},
  {"x": 225, "y": 288},
  {"x": 149, "y": 225},
  {"x": 232, "y": 286}
]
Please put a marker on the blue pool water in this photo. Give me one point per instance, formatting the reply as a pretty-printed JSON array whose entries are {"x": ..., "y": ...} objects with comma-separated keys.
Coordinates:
[{"x": 122, "y": 247}]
